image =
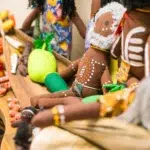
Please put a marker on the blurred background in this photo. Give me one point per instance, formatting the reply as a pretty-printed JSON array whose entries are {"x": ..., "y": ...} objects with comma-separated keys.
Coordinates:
[{"x": 20, "y": 9}]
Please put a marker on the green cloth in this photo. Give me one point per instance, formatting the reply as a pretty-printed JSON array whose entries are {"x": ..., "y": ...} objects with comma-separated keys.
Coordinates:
[
  {"x": 91, "y": 99},
  {"x": 55, "y": 83},
  {"x": 114, "y": 87}
]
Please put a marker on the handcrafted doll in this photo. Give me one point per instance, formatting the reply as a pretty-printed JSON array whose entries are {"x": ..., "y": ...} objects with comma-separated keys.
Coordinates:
[
  {"x": 135, "y": 38},
  {"x": 92, "y": 69},
  {"x": 95, "y": 6},
  {"x": 57, "y": 16},
  {"x": 135, "y": 44}
]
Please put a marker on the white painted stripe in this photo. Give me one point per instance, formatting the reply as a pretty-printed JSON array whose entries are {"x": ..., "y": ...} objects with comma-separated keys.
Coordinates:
[
  {"x": 128, "y": 37},
  {"x": 135, "y": 49},
  {"x": 122, "y": 45},
  {"x": 114, "y": 46},
  {"x": 135, "y": 57},
  {"x": 136, "y": 64},
  {"x": 147, "y": 65},
  {"x": 136, "y": 41}
]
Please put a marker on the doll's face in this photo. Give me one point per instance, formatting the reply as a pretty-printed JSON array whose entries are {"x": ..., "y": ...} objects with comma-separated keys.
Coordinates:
[{"x": 103, "y": 25}]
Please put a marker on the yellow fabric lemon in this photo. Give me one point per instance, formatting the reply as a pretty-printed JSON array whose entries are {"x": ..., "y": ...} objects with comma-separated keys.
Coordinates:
[
  {"x": 50, "y": 17},
  {"x": 52, "y": 2}
]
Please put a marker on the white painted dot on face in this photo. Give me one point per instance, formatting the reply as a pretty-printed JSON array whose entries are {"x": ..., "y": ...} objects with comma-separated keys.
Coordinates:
[
  {"x": 103, "y": 29},
  {"x": 90, "y": 77},
  {"x": 88, "y": 80},
  {"x": 92, "y": 70},
  {"x": 103, "y": 64},
  {"x": 106, "y": 29},
  {"x": 85, "y": 83}
]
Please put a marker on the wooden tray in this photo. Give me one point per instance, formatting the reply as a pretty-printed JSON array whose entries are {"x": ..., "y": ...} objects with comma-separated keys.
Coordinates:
[{"x": 23, "y": 87}]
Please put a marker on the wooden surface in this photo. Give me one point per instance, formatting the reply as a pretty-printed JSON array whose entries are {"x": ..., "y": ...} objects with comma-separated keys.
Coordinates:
[
  {"x": 7, "y": 142},
  {"x": 23, "y": 87}
]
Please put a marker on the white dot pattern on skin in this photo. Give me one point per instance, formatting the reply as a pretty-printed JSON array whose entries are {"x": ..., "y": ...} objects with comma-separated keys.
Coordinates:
[{"x": 88, "y": 70}]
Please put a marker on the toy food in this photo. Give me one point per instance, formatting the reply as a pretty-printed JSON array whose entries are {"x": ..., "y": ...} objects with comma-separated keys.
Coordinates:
[
  {"x": 41, "y": 62},
  {"x": 54, "y": 83},
  {"x": 14, "y": 63},
  {"x": 8, "y": 21},
  {"x": 1, "y": 45},
  {"x": 16, "y": 44}
]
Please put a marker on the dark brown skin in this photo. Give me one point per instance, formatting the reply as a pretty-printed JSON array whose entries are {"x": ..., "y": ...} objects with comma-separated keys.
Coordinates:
[
  {"x": 79, "y": 25},
  {"x": 84, "y": 111},
  {"x": 22, "y": 67},
  {"x": 30, "y": 18},
  {"x": 95, "y": 6}
]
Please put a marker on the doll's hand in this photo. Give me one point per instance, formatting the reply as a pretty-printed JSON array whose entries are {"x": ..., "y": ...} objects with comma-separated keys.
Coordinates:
[{"x": 43, "y": 119}]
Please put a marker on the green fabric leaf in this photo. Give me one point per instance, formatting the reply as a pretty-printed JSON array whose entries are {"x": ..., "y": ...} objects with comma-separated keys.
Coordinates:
[
  {"x": 114, "y": 87},
  {"x": 44, "y": 38}
]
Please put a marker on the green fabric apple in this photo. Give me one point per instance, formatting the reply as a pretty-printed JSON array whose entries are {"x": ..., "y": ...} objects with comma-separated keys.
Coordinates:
[{"x": 41, "y": 62}]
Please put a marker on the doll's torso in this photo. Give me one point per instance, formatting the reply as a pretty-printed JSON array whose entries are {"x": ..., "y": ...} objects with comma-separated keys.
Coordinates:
[
  {"x": 135, "y": 34},
  {"x": 91, "y": 68}
]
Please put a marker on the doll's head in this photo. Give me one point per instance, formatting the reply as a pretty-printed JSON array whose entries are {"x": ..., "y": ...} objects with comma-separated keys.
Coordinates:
[
  {"x": 28, "y": 113},
  {"x": 106, "y": 22},
  {"x": 132, "y": 4}
]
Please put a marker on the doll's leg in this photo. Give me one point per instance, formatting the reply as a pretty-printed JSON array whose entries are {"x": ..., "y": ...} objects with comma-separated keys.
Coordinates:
[
  {"x": 51, "y": 102},
  {"x": 62, "y": 94},
  {"x": 70, "y": 71},
  {"x": 77, "y": 111}
]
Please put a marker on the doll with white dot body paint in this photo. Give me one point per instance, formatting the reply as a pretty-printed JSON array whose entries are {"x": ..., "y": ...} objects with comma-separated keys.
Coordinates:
[{"x": 92, "y": 69}]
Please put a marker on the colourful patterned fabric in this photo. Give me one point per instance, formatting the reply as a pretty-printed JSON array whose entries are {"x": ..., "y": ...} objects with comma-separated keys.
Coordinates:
[{"x": 53, "y": 22}]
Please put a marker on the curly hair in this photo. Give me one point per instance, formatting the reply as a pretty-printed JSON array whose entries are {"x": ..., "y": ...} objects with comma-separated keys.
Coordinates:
[
  {"x": 68, "y": 6},
  {"x": 36, "y": 3},
  {"x": 132, "y": 4}
]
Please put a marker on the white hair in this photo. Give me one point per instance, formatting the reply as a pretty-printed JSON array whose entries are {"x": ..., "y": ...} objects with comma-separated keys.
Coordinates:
[{"x": 100, "y": 41}]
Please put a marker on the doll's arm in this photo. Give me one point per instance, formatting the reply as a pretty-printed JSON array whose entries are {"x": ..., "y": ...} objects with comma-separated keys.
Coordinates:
[
  {"x": 77, "y": 111},
  {"x": 71, "y": 70},
  {"x": 79, "y": 25},
  {"x": 95, "y": 6},
  {"x": 30, "y": 18}
]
